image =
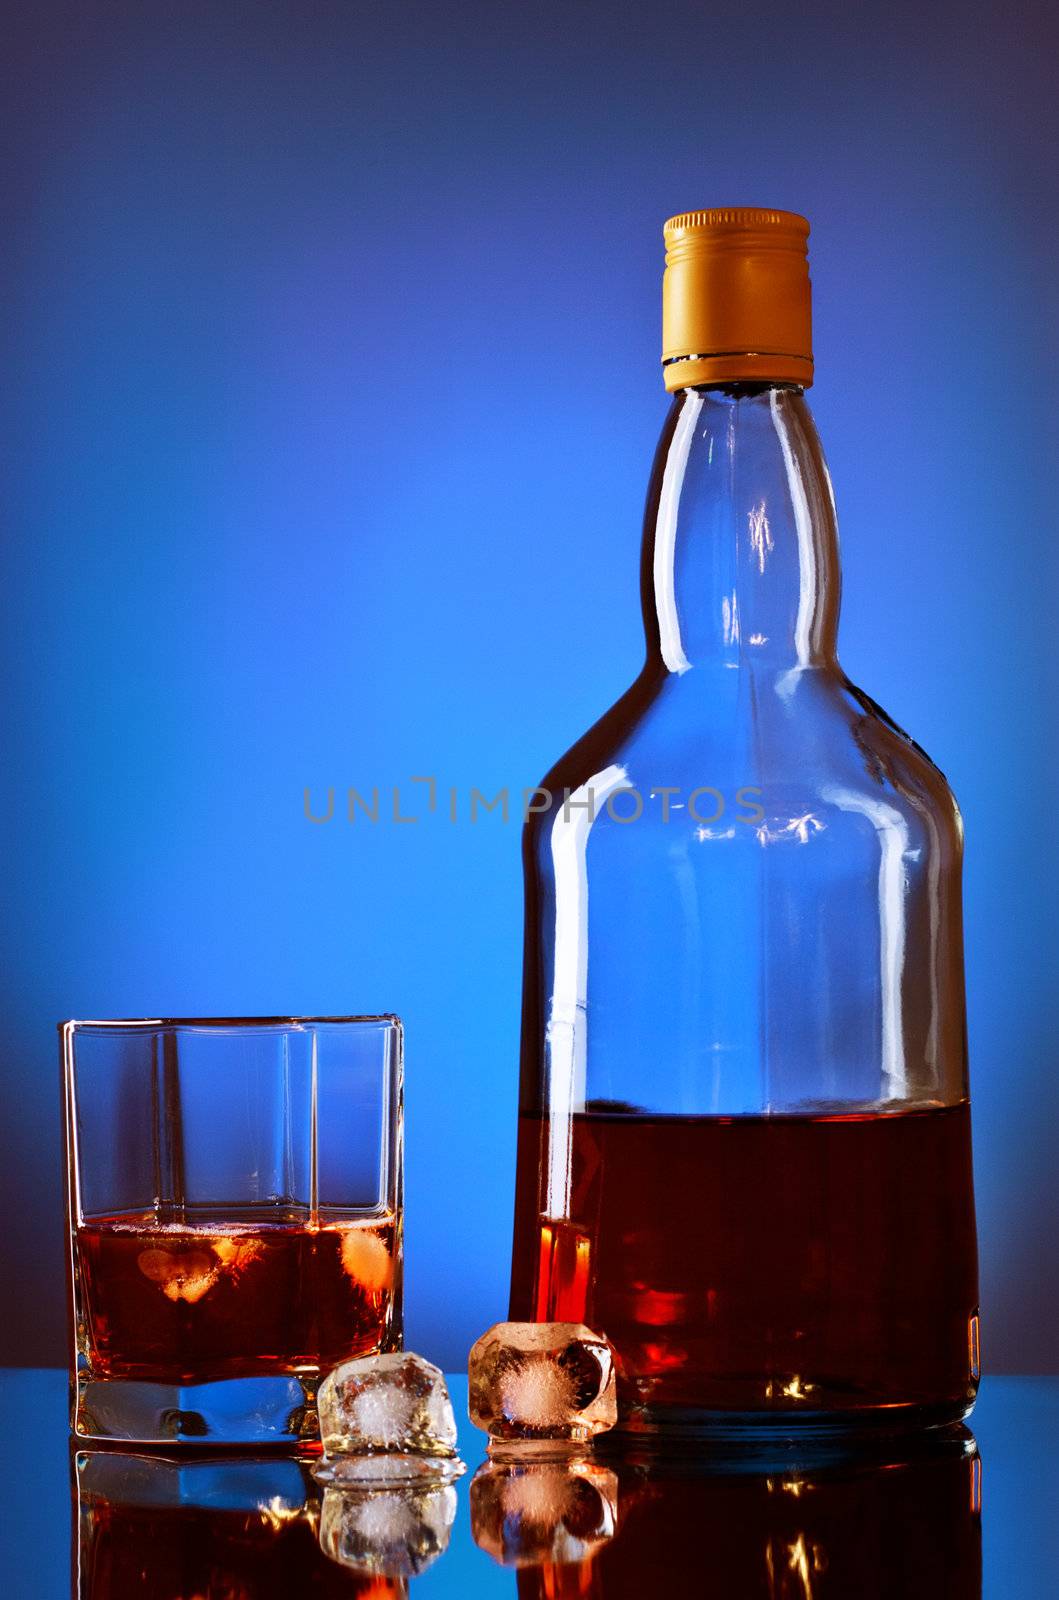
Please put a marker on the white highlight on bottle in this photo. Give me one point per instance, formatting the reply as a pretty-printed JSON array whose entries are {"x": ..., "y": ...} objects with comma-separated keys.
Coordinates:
[
  {"x": 671, "y": 644},
  {"x": 803, "y": 528},
  {"x": 566, "y": 1040},
  {"x": 761, "y": 541},
  {"x": 892, "y": 831}
]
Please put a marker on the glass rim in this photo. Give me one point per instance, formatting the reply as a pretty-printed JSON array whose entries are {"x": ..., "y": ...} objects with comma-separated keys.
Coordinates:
[{"x": 72, "y": 1024}]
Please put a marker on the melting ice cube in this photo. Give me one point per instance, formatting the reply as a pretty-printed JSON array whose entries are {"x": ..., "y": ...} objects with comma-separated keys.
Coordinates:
[
  {"x": 396, "y": 1402},
  {"x": 188, "y": 1272},
  {"x": 545, "y": 1381}
]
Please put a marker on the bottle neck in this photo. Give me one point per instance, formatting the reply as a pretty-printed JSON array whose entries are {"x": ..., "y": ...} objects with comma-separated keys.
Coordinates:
[{"x": 740, "y": 553}]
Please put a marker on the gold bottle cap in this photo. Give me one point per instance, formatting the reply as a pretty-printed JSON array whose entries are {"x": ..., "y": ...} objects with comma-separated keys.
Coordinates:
[{"x": 735, "y": 299}]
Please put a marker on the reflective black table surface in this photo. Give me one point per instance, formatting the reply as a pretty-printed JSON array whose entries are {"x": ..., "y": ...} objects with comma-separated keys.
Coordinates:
[{"x": 954, "y": 1516}]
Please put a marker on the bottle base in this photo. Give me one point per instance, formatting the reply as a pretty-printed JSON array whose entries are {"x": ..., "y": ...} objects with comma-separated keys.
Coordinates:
[{"x": 771, "y": 1426}]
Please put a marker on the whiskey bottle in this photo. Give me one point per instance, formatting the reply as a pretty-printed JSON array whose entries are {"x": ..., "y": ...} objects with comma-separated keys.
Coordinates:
[{"x": 744, "y": 1144}]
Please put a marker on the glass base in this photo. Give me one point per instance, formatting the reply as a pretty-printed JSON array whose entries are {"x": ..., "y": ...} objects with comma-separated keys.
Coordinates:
[{"x": 273, "y": 1410}]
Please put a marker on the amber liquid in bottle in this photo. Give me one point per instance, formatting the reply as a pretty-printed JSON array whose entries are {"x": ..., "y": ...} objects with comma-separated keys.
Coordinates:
[{"x": 803, "y": 1264}]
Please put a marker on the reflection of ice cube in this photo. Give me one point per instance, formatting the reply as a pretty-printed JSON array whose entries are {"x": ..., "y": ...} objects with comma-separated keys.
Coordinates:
[
  {"x": 393, "y": 1467},
  {"x": 391, "y": 1533},
  {"x": 395, "y": 1402},
  {"x": 526, "y": 1514},
  {"x": 545, "y": 1381}
]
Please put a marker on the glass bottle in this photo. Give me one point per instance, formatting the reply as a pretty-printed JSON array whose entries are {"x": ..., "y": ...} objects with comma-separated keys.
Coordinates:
[{"x": 744, "y": 1144}]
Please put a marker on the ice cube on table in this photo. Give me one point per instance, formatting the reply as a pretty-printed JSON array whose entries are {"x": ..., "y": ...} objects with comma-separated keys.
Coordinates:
[
  {"x": 389, "y": 1533},
  {"x": 550, "y": 1382},
  {"x": 387, "y": 1403},
  {"x": 529, "y": 1513}
]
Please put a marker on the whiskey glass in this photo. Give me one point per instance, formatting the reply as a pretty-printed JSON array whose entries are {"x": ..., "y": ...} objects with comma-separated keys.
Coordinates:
[{"x": 235, "y": 1209}]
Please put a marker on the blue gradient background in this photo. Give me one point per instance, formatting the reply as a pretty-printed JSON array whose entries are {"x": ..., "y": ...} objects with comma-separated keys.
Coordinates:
[{"x": 331, "y": 381}]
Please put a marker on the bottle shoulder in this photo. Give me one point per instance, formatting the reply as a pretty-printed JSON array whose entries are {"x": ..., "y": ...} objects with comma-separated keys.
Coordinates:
[
  {"x": 621, "y": 727},
  {"x": 796, "y": 739},
  {"x": 894, "y": 758}
]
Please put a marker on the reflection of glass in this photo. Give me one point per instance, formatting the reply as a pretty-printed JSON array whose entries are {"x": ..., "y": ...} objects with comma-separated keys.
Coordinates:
[
  {"x": 902, "y": 1521},
  {"x": 235, "y": 1219},
  {"x": 236, "y": 1529}
]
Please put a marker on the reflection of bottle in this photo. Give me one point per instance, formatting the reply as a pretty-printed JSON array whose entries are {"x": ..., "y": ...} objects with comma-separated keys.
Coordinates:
[
  {"x": 744, "y": 1138},
  {"x": 872, "y": 1525},
  {"x": 241, "y": 1529}
]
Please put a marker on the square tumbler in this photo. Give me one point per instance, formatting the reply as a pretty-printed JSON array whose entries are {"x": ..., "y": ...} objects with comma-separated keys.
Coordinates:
[{"x": 235, "y": 1209}]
